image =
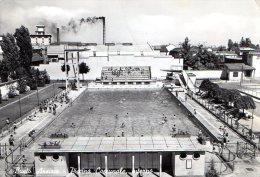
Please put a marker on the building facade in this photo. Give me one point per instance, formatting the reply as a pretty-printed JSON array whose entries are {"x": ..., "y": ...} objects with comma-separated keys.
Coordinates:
[{"x": 40, "y": 38}]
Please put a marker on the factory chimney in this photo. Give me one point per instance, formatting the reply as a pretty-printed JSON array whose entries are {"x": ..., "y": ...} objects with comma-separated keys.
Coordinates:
[
  {"x": 104, "y": 29},
  {"x": 58, "y": 36}
]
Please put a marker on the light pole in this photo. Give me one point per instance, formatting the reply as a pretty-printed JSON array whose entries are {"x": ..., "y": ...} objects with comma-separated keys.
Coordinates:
[
  {"x": 54, "y": 88},
  {"x": 37, "y": 92},
  {"x": 20, "y": 99},
  {"x": 20, "y": 107},
  {"x": 252, "y": 123}
]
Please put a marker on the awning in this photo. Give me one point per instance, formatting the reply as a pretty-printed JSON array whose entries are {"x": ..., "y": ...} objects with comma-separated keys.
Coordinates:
[
  {"x": 36, "y": 57},
  {"x": 239, "y": 67}
]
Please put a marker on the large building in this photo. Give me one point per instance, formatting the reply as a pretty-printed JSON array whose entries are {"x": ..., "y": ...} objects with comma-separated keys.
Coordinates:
[
  {"x": 177, "y": 156},
  {"x": 99, "y": 56},
  {"x": 40, "y": 38}
]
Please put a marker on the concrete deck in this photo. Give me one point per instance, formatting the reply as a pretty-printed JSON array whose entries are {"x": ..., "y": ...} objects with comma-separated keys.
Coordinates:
[{"x": 124, "y": 144}]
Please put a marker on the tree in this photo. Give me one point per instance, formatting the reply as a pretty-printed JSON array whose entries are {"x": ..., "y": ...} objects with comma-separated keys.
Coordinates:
[
  {"x": 185, "y": 51},
  {"x": 39, "y": 78},
  {"x": 23, "y": 40},
  {"x": 242, "y": 42},
  {"x": 230, "y": 44},
  {"x": 222, "y": 48},
  {"x": 248, "y": 42},
  {"x": 83, "y": 68},
  {"x": 244, "y": 102},
  {"x": 205, "y": 84},
  {"x": 63, "y": 68},
  {"x": 45, "y": 76},
  {"x": 10, "y": 55},
  {"x": 4, "y": 71},
  {"x": 197, "y": 57},
  {"x": 22, "y": 85}
]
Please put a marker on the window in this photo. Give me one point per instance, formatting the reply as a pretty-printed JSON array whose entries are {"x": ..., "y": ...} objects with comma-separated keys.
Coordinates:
[
  {"x": 188, "y": 164},
  {"x": 55, "y": 157},
  {"x": 42, "y": 157},
  {"x": 183, "y": 156},
  {"x": 248, "y": 73},
  {"x": 196, "y": 156},
  {"x": 235, "y": 74}
]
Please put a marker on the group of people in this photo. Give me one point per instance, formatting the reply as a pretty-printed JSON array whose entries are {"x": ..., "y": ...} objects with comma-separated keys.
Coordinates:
[
  {"x": 164, "y": 119},
  {"x": 224, "y": 134},
  {"x": 49, "y": 105},
  {"x": 123, "y": 71}
]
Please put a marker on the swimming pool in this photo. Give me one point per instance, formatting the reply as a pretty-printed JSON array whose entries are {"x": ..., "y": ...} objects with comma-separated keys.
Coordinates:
[{"x": 140, "y": 112}]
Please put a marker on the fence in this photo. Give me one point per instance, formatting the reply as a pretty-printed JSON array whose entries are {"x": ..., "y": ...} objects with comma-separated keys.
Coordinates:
[
  {"x": 239, "y": 128},
  {"x": 13, "y": 156},
  {"x": 249, "y": 90},
  {"x": 20, "y": 109},
  {"x": 226, "y": 163}
]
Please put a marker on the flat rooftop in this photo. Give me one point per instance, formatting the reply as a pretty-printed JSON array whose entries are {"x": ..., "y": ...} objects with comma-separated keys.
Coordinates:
[{"x": 123, "y": 144}]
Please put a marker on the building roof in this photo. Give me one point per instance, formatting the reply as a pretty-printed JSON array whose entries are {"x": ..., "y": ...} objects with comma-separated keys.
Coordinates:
[
  {"x": 238, "y": 67},
  {"x": 233, "y": 57},
  {"x": 246, "y": 49},
  {"x": 123, "y": 144},
  {"x": 40, "y": 35},
  {"x": 40, "y": 25},
  {"x": 170, "y": 47},
  {"x": 121, "y": 48},
  {"x": 36, "y": 57}
]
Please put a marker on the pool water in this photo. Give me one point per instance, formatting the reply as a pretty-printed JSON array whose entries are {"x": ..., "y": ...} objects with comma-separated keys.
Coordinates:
[{"x": 140, "y": 112}]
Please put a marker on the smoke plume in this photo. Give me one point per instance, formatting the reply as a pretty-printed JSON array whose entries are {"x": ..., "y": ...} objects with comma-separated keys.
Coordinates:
[{"x": 75, "y": 25}]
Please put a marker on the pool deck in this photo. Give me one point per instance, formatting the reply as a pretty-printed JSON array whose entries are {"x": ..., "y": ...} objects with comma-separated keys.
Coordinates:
[
  {"x": 240, "y": 167},
  {"x": 243, "y": 167},
  {"x": 206, "y": 119},
  {"x": 40, "y": 121},
  {"x": 123, "y": 144}
]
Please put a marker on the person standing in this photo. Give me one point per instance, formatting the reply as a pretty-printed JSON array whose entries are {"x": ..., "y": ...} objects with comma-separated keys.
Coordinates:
[
  {"x": 24, "y": 161},
  {"x": 11, "y": 140},
  {"x": 8, "y": 123},
  {"x": 15, "y": 126}
]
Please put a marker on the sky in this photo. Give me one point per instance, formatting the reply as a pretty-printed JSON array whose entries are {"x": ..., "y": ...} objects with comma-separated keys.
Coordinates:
[{"x": 208, "y": 22}]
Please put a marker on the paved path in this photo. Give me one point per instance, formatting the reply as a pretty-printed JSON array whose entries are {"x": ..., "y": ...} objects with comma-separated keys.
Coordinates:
[
  {"x": 210, "y": 122},
  {"x": 39, "y": 122},
  {"x": 243, "y": 167}
]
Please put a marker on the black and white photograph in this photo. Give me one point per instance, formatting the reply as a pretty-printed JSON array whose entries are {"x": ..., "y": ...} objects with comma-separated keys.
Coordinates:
[{"x": 129, "y": 88}]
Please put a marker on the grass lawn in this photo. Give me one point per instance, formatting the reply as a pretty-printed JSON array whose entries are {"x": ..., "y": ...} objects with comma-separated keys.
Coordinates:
[{"x": 12, "y": 108}]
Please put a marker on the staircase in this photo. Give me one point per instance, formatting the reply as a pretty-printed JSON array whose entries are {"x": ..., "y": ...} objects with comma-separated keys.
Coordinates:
[{"x": 182, "y": 81}]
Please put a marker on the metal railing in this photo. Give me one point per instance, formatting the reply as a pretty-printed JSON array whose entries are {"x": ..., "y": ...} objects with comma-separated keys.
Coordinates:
[
  {"x": 226, "y": 163},
  {"x": 239, "y": 128},
  {"x": 13, "y": 156},
  {"x": 250, "y": 91},
  {"x": 19, "y": 110}
]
